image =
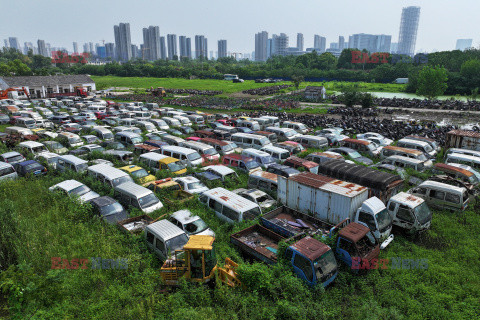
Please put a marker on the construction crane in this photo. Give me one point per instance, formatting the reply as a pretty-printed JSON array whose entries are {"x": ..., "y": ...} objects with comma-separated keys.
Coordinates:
[{"x": 12, "y": 93}]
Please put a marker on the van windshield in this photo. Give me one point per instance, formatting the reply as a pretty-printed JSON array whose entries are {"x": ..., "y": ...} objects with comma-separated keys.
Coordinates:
[
  {"x": 267, "y": 159},
  {"x": 227, "y": 148},
  {"x": 325, "y": 265},
  {"x": 423, "y": 213},
  {"x": 384, "y": 220},
  {"x": 82, "y": 167},
  {"x": 107, "y": 136},
  {"x": 136, "y": 140},
  {"x": 428, "y": 148},
  {"x": 264, "y": 141},
  {"x": 80, "y": 190},
  {"x": 176, "y": 243},
  {"x": 74, "y": 140},
  {"x": 175, "y": 166},
  {"x": 193, "y": 156},
  {"x": 290, "y": 133},
  {"x": 422, "y": 157},
  {"x": 251, "y": 164},
  {"x": 210, "y": 151},
  {"x": 148, "y": 201},
  {"x": 121, "y": 180}
]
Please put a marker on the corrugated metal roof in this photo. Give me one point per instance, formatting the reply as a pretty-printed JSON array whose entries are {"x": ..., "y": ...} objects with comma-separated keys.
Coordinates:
[
  {"x": 464, "y": 133},
  {"x": 311, "y": 248},
  {"x": 359, "y": 174},
  {"x": 165, "y": 229},
  {"x": 446, "y": 167}
]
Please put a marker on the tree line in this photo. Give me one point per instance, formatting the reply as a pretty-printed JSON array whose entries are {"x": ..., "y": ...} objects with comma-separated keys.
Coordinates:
[{"x": 462, "y": 67}]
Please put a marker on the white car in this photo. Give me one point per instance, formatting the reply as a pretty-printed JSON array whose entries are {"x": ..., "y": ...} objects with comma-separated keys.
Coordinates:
[
  {"x": 75, "y": 188},
  {"x": 191, "y": 184},
  {"x": 222, "y": 171},
  {"x": 371, "y": 135},
  {"x": 190, "y": 223}
]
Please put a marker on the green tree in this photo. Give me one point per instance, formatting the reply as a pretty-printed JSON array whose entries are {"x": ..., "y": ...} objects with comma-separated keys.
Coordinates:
[
  {"x": 432, "y": 82},
  {"x": 366, "y": 100},
  {"x": 474, "y": 94},
  {"x": 349, "y": 96},
  {"x": 297, "y": 79}
]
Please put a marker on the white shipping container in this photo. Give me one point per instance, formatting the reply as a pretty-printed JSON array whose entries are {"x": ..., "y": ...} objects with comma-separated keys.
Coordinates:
[{"x": 327, "y": 199}]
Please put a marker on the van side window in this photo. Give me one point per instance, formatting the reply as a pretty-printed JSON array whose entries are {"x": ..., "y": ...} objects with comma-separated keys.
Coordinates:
[
  {"x": 263, "y": 184},
  {"x": 391, "y": 207},
  {"x": 304, "y": 265},
  {"x": 248, "y": 141},
  {"x": 160, "y": 245},
  {"x": 150, "y": 237},
  {"x": 437, "y": 194},
  {"x": 231, "y": 214},
  {"x": 421, "y": 191},
  {"x": 453, "y": 198}
]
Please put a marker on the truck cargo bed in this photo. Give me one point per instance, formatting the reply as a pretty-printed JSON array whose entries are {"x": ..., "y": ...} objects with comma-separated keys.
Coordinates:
[
  {"x": 258, "y": 242},
  {"x": 283, "y": 219}
]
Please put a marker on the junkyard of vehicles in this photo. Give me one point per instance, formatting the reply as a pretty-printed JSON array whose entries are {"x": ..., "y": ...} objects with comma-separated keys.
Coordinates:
[{"x": 61, "y": 258}]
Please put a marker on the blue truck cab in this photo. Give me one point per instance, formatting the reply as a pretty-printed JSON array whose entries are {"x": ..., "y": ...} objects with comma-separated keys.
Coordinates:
[
  {"x": 312, "y": 261},
  {"x": 357, "y": 245}
]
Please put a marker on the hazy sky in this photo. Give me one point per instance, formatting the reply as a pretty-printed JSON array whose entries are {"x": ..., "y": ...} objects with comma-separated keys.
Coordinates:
[{"x": 62, "y": 22}]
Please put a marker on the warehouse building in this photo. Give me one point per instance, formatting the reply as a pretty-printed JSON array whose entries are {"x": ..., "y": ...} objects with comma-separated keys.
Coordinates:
[{"x": 41, "y": 86}]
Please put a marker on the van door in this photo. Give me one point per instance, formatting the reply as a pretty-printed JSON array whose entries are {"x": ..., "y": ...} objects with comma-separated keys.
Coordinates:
[
  {"x": 437, "y": 198},
  {"x": 160, "y": 248},
  {"x": 403, "y": 217}
]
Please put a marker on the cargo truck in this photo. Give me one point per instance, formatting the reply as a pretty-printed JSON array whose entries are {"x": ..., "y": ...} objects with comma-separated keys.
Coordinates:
[
  {"x": 312, "y": 261},
  {"x": 333, "y": 201},
  {"x": 382, "y": 185}
]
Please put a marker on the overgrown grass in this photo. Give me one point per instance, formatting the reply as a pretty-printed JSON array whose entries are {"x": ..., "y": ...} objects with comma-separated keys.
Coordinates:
[
  {"x": 228, "y": 87},
  {"x": 36, "y": 225}
]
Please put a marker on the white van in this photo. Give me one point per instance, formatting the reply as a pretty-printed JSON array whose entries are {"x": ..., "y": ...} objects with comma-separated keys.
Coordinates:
[
  {"x": 109, "y": 175},
  {"x": 463, "y": 151},
  {"x": 250, "y": 124},
  {"x": 128, "y": 138},
  {"x": 147, "y": 126},
  {"x": 388, "y": 151},
  {"x": 18, "y": 130},
  {"x": 32, "y": 147},
  {"x": 279, "y": 154},
  {"x": 272, "y": 121},
  {"x": 142, "y": 115},
  {"x": 164, "y": 238},
  {"x": 128, "y": 122},
  {"x": 471, "y": 161},
  {"x": 196, "y": 118},
  {"x": 207, "y": 152},
  {"x": 230, "y": 207},
  {"x": 441, "y": 195},
  {"x": 263, "y": 123},
  {"x": 404, "y": 162},
  {"x": 297, "y": 126},
  {"x": 26, "y": 123},
  {"x": 191, "y": 157},
  {"x": 184, "y": 121},
  {"x": 247, "y": 140},
  {"x": 172, "y": 122},
  {"x": 103, "y": 133},
  {"x": 283, "y": 134},
  {"x": 417, "y": 145},
  {"x": 96, "y": 108},
  {"x": 71, "y": 139},
  {"x": 132, "y": 194},
  {"x": 69, "y": 162},
  {"x": 263, "y": 158},
  {"x": 311, "y": 141}
]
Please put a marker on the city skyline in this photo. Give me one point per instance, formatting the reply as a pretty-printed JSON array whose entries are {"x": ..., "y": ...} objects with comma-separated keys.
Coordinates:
[{"x": 367, "y": 18}]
